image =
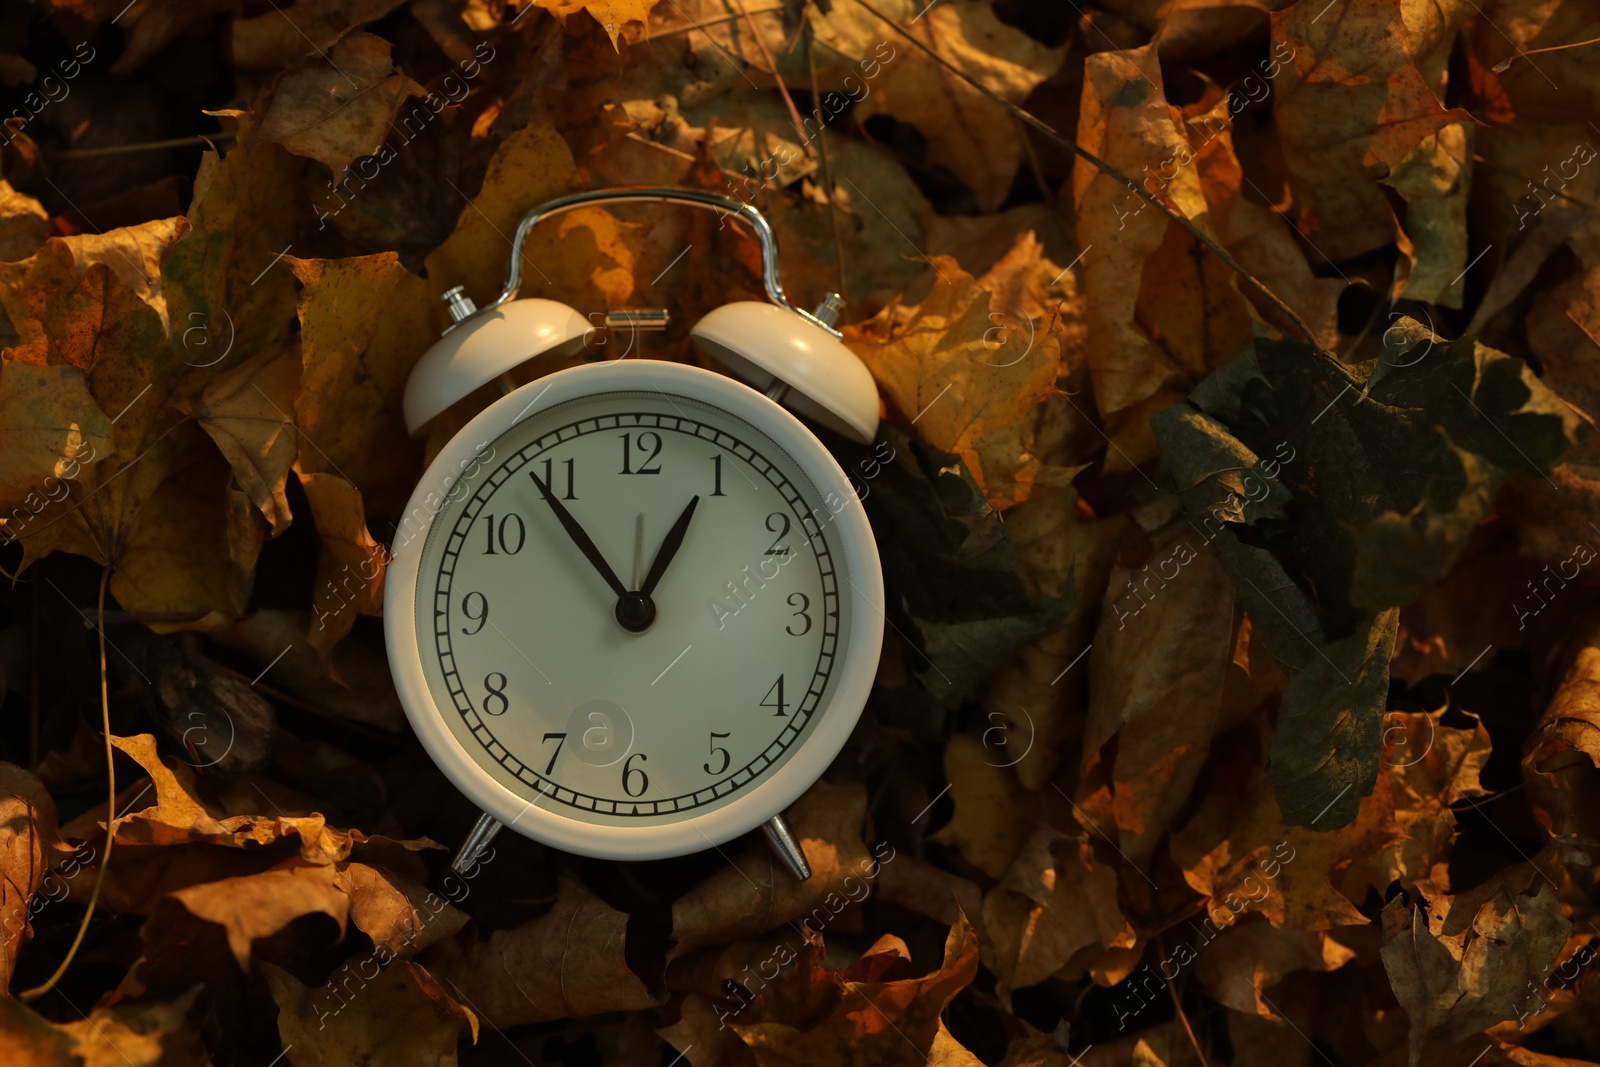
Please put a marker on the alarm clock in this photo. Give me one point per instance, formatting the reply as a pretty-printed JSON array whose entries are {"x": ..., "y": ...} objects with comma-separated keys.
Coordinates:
[{"x": 641, "y": 610}]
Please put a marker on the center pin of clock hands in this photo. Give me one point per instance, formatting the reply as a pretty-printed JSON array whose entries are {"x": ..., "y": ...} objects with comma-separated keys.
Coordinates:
[{"x": 635, "y": 611}]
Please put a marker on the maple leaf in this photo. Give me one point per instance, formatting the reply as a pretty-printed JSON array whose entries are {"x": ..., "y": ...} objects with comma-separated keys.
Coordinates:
[
  {"x": 612, "y": 15},
  {"x": 1318, "y": 558},
  {"x": 1460, "y": 964}
]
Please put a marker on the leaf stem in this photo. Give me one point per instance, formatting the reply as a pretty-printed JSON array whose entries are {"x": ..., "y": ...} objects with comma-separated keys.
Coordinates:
[
  {"x": 1107, "y": 169},
  {"x": 111, "y": 807}
]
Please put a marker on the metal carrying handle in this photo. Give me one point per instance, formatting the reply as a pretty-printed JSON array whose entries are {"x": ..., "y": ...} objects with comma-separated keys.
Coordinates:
[{"x": 665, "y": 195}]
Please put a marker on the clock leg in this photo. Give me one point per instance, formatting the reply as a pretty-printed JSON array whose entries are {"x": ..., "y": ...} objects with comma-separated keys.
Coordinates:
[
  {"x": 783, "y": 842},
  {"x": 477, "y": 841}
]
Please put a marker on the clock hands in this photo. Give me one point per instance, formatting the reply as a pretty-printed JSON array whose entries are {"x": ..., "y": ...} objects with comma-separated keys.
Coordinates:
[
  {"x": 669, "y": 548},
  {"x": 581, "y": 538},
  {"x": 635, "y": 611}
]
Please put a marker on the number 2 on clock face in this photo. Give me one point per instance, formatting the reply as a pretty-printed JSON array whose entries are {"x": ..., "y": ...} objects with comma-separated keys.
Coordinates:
[{"x": 524, "y": 652}]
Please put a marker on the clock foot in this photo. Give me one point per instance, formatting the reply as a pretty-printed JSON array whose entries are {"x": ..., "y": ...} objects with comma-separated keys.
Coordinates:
[
  {"x": 477, "y": 841},
  {"x": 783, "y": 842}
]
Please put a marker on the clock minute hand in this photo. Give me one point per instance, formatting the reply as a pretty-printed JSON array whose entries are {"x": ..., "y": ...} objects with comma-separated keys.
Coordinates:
[
  {"x": 581, "y": 538},
  {"x": 669, "y": 548}
]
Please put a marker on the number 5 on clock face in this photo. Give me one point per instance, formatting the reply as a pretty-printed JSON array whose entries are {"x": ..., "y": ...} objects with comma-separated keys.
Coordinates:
[{"x": 648, "y": 622}]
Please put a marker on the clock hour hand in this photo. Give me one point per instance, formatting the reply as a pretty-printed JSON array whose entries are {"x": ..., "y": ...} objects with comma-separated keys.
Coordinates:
[
  {"x": 581, "y": 538},
  {"x": 669, "y": 548}
]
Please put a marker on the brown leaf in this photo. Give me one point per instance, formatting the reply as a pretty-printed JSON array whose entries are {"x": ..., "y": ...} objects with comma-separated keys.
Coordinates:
[
  {"x": 1562, "y": 761},
  {"x": 1351, "y": 104},
  {"x": 568, "y": 963},
  {"x": 50, "y": 430},
  {"x": 874, "y": 1022},
  {"x": 395, "y": 912},
  {"x": 1055, "y": 900},
  {"x": 248, "y": 412},
  {"x": 24, "y": 224},
  {"x": 994, "y": 815},
  {"x": 966, "y": 132},
  {"x": 364, "y": 322},
  {"x": 351, "y": 569},
  {"x": 400, "y": 1016},
  {"x": 964, "y": 382},
  {"x": 1242, "y": 961},
  {"x": 1459, "y": 964},
  {"x": 1156, "y": 679},
  {"x": 612, "y": 15},
  {"x": 755, "y": 893},
  {"x": 259, "y": 905},
  {"x": 29, "y": 840},
  {"x": 124, "y": 1034},
  {"x": 178, "y": 816},
  {"x": 278, "y": 37},
  {"x": 338, "y": 108}
]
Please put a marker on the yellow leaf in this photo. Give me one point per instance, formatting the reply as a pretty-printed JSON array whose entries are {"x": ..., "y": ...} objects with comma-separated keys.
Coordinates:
[{"x": 612, "y": 15}]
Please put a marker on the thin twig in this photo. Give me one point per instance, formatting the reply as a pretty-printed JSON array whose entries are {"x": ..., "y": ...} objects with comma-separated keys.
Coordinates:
[
  {"x": 783, "y": 90},
  {"x": 146, "y": 146},
  {"x": 111, "y": 807},
  {"x": 1110, "y": 171},
  {"x": 827, "y": 170},
  {"x": 1500, "y": 67},
  {"x": 1172, "y": 987}
]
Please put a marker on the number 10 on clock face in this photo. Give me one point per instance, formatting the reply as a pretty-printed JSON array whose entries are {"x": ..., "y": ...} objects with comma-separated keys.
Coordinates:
[{"x": 639, "y": 622}]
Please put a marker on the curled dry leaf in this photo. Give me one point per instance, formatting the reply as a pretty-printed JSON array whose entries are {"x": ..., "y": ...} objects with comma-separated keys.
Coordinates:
[
  {"x": 887, "y": 1022},
  {"x": 1460, "y": 963},
  {"x": 1562, "y": 761},
  {"x": 29, "y": 841},
  {"x": 123, "y": 1034}
]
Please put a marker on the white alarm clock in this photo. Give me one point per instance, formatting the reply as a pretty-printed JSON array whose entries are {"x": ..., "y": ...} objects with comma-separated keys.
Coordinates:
[{"x": 642, "y": 609}]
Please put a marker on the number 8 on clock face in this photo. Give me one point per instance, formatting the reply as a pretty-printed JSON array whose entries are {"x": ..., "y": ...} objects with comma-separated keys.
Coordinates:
[{"x": 645, "y": 609}]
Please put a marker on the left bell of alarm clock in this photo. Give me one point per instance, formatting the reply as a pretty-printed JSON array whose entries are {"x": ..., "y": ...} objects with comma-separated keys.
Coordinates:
[{"x": 480, "y": 346}]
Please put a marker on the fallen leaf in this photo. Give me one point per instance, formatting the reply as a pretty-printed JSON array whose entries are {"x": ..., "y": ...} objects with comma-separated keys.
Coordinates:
[
  {"x": 964, "y": 382},
  {"x": 612, "y": 15},
  {"x": 1245, "y": 960},
  {"x": 756, "y": 893},
  {"x": 1053, "y": 901},
  {"x": 1459, "y": 963},
  {"x": 340, "y": 107},
  {"x": 569, "y": 962},
  {"x": 276, "y": 39},
  {"x": 879, "y": 1022},
  {"x": 1468, "y": 416},
  {"x": 259, "y": 905},
  {"x": 31, "y": 839},
  {"x": 399, "y": 1016},
  {"x": 1563, "y": 753},
  {"x": 1157, "y": 670},
  {"x": 247, "y": 412},
  {"x": 993, "y": 816},
  {"x": 1351, "y": 106}
]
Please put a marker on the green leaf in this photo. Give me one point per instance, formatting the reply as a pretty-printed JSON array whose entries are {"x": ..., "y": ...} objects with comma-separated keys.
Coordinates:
[{"x": 1336, "y": 493}]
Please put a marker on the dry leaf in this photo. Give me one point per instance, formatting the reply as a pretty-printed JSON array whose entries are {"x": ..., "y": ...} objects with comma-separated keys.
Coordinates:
[
  {"x": 1459, "y": 964},
  {"x": 399, "y": 1016},
  {"x": 30, "y": 838},
  {"x": 339, "y": 108}
]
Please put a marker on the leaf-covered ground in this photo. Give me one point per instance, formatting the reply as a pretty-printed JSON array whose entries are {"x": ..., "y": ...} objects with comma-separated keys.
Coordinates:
[{"x": 1237, "y": 496}]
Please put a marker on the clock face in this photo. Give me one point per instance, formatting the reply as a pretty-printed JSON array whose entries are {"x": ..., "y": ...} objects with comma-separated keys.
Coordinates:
[{"x": 636, "y": 612}]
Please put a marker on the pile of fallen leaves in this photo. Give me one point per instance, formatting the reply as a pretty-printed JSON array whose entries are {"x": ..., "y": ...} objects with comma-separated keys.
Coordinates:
[{"x": 1240, "y": 701}]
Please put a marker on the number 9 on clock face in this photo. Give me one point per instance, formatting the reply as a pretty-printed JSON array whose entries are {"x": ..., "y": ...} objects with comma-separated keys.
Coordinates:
[{"x": 635, "y": 609}]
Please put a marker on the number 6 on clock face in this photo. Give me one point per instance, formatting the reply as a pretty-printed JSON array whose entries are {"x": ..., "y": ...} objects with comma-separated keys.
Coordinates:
[{"x": 639, "y": 607}]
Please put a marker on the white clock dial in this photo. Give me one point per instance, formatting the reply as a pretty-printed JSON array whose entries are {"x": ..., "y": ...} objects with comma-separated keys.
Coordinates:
[{"x": 668, "y": 719}]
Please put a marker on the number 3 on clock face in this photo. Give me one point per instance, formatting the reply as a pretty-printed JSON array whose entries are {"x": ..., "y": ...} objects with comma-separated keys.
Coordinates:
[{"x": 638, "y": 607}]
